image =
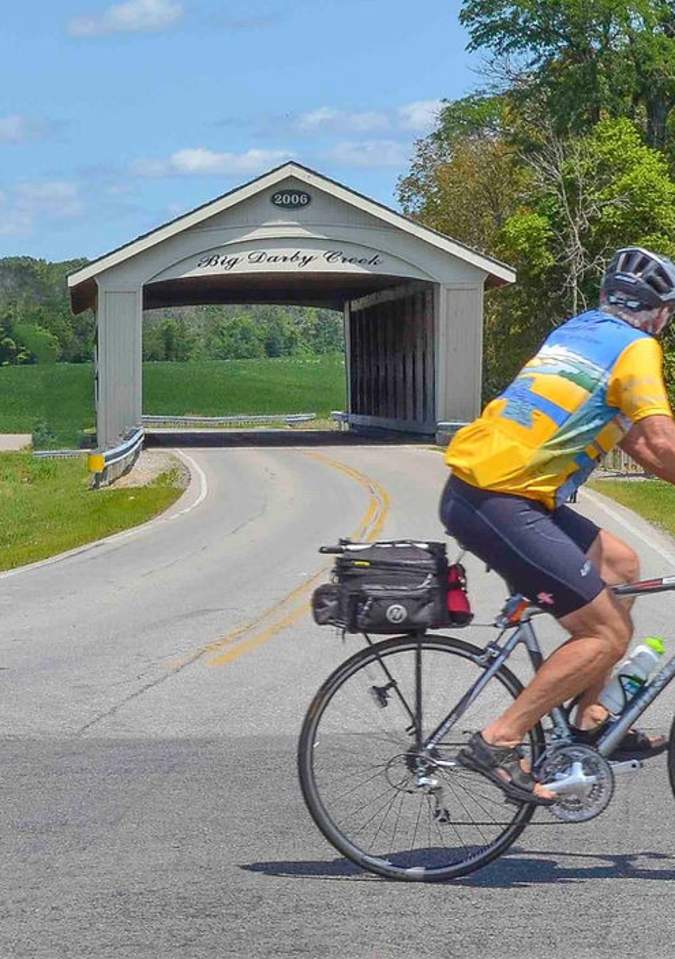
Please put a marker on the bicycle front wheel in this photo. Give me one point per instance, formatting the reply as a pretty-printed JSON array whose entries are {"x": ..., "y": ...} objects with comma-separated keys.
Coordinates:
[{"x": 370, "y": 789}]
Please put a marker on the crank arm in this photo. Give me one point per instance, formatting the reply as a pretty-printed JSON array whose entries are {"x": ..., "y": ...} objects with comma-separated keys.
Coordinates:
[
  {"x": 573, "y": 783},
  {"x": 624, "y": 768}
]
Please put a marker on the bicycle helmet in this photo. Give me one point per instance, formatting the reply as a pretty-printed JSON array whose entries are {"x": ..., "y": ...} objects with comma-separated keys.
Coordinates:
[{"x": 637, "y": 279}]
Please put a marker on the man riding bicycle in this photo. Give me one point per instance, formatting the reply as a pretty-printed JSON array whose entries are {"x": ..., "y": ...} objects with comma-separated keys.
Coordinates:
[{"x": 597, "y": 381}]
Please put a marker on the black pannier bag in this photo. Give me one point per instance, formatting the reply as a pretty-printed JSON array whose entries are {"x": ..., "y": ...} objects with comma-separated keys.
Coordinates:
[{"x": 394, "y": 586}]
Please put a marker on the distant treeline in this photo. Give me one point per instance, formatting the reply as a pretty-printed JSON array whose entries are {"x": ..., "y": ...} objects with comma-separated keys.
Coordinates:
[
  {"x": 240, "y": 332},
  {"x": 36, "y": 325}
]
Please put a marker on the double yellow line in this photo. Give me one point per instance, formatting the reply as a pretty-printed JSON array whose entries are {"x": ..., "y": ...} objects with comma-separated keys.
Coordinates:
[{"x": 295, "y": 605}]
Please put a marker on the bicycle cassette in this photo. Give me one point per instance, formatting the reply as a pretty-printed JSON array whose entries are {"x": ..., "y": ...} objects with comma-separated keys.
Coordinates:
[{"x": 582, "y": 779}]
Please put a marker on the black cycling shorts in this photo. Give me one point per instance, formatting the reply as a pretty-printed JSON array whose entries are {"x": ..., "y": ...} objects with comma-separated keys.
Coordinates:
[{"x": 540, "y": 553}]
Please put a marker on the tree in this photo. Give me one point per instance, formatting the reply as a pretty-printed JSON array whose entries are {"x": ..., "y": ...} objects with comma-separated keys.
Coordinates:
[
  {"x": 555, "y": 212},
  {"x": 40, "y": 343},
  {"x": 467, "y": 180},
  {"x": 153, "y": 344},
  {"x": 329, "y": 332},
  {"x": 585, "y": 59},
  {"x": 592, "y": 194},
  {"x": 236, "y": 338}
]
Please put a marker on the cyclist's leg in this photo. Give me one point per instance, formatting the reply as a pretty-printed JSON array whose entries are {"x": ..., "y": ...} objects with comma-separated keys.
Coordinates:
[
  {"x": 600, "y": 633},
  {"x": 520, "y": 540},
  {"x": 617, "y": 563}
]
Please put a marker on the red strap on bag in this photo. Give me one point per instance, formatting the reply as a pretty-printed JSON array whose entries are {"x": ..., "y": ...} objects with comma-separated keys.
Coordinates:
[{"x": 459, "y": 606}]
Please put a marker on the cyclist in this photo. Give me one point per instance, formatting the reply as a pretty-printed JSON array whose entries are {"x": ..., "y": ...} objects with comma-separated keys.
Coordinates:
[{"x": 596, "y": 382}]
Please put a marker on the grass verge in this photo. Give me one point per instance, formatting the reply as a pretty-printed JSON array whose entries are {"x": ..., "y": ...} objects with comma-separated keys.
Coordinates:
[
  {"x": 652, "y": 499},
  {"x": 46, "y": 506}
]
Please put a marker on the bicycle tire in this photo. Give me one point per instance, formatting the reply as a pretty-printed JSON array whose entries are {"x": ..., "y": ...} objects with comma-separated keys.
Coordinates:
[
  {"x": 671, "y": 757},
  {"x": 394, "y": 866}
]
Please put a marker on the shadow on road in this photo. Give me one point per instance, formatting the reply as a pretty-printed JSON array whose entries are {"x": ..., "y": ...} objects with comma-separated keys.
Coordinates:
[
  {"x": 535, "y": 868},
  {"x": 226, "y": 438}
]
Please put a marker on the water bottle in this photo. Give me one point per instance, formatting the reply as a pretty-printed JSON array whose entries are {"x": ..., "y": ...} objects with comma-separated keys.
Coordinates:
[{"x": 632, "y": 675}]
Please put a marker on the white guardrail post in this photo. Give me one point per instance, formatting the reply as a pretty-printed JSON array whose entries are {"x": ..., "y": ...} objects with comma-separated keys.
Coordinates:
[
  {"x": 108, "y": 465},
  {"x": 338, "y": 416}
]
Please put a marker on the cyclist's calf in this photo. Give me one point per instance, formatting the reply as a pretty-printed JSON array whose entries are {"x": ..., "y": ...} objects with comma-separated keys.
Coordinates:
[
  {"x": 606, "y": 620},
  {"x": 600, "y": 633}
]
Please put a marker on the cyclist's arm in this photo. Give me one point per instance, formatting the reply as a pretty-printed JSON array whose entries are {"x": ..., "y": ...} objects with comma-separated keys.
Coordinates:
[{"x": 651, "y": 441}]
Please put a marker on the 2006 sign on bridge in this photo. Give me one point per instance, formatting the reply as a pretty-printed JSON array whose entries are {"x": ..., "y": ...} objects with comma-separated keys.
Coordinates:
[{"x": 291, "y": 199}]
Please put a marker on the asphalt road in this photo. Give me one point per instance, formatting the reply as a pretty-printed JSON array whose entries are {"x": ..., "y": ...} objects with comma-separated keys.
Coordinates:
[{"x": 152, "y": 692}]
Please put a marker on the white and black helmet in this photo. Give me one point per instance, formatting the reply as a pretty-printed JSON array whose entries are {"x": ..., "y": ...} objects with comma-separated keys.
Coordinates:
[{"x": 637, "y": 279}]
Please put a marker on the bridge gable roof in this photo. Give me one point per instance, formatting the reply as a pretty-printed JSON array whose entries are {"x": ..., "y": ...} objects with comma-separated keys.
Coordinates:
[{"x": 498, "y": 272}]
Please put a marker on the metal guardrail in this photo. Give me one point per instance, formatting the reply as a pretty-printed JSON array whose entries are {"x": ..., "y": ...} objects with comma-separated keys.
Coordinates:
[
  {"x": 339, "y": 416},
  {"x": 58, "y": 454},
  {"x": 289, "y": 418},
  {"x": 109, "y": 465},
  {"x": 616, "y": 461}
]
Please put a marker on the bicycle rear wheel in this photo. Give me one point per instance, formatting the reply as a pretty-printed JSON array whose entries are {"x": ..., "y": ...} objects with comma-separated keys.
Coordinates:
[
  {"x": 671, "y": 757},
  {"x": 360, "y": 778}
]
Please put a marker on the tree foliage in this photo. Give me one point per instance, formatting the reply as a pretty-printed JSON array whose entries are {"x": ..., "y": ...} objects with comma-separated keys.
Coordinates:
[
  {"x": 240, "y": 333},
  {"x": 36, "y": 324},
  {"x": 584, "y": 58},
  {"x": 41, "y": 345},
  {"x": 565, "y": 156}
]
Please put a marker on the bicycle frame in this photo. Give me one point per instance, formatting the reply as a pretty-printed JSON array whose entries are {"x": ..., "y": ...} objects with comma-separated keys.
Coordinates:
[{"x": 523, "y": 632}]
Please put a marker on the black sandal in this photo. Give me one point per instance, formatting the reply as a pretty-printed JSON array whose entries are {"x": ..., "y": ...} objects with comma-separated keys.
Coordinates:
[
  {"x": 636, "y": 744},
  {"x": 485, "y": 759}
]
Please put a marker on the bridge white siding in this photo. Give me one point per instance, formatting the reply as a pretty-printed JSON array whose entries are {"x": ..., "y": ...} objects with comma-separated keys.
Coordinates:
[
  {"x": 459, "y": 339},
  {"x": 119, "y": 364}
]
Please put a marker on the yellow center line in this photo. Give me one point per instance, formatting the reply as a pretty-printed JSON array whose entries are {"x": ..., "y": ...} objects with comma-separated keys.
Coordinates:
[{"x": 232, "y": 646}]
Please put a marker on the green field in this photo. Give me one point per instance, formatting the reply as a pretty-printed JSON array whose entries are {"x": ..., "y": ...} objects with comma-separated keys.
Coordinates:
[
  {"x": 46, "y": 506},
  {"x": 61, "y": 395}
]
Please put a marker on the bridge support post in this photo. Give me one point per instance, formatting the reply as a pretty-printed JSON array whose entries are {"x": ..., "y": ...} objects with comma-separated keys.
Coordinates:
[
  {"x": 120, "y": 332},
  {"x": 459, "y": 353},
  {"x": 348, "y": 355}
]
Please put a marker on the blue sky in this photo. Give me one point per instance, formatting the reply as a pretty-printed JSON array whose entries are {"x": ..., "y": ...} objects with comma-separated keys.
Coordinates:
[{"x": 115, "y": 117}]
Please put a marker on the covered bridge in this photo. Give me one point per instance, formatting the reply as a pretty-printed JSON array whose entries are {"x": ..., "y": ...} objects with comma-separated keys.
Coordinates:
[{"x": 412, "y": 298}]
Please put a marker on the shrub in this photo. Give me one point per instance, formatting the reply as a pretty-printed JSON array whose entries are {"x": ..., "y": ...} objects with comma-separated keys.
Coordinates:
[
  {"x": 43, "y": 436},
  {"x": 42, "y": 344}
]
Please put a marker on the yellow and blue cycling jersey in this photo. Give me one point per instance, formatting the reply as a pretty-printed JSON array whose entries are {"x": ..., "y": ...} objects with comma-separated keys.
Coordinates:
[{"x": 574, "y": 401}]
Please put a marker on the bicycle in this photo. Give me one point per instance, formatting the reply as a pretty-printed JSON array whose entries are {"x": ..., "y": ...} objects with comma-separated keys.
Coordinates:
[{"x": 378, "y": 746}]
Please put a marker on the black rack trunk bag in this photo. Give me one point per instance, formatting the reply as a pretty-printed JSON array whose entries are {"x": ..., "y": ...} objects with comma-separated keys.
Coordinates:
[{"x": 387, "y": 587}]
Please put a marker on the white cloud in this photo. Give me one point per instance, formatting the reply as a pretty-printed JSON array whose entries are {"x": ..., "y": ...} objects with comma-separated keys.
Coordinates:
[
  {"x": 419, "y": 116},
  {"x": 370, "y": 153},
  {"x": 195, "y": 161},
  {"x": 29, "y": 203},
  {"x": 328, "y": 118},
  {"x": 14, "y": 129},
  {"x": 17, "y": 129},
  {"x": 53, "y": 198},
  {"x": 416, "y": 117},
  {"x": 133, "y": 16}
]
